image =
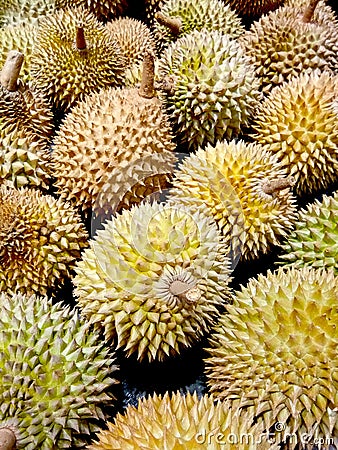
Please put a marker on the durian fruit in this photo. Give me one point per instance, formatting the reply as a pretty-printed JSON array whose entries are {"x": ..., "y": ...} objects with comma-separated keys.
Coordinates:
[
  {"x": 153, "y": 279},
  {"x": 314, "y": 242},
  {"x": 297, "y": 122},
  {"x": 274, "y": 353},
  {"x": 247, "y": 191},
  {"x": 180, "y": 422},
  {"x": 20, "y": 38},
  {"x": 103, "y": 10},
  {"x": 24, "y": 113},
  {"x": 40, "y": 240},
  {"x": 253, "y": 9},
  {"x": 214, "y": 88},
  {"x": 292, "y": 40},
  {"x": 106, "y": 130},
  {"x": 180, "y": 17},
  {"x": 15, "y": 12},
  {"x": 56, "y": 379},
  {"x": 74, "y": 54},
  {"x": 134, "y": 38}
]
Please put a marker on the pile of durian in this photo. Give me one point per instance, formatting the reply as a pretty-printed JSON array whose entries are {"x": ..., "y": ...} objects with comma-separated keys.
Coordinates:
[{"x": 169, "y": 202}]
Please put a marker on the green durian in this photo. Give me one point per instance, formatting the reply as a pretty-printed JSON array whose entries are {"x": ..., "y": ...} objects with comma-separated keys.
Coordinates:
[
  {"x": 55, "y": 377},
  {"x": 297, "y": 122},
  {"x": 153, "y": 279},
  {"x": 314, "y": 240},
  {"x": 274, "y": 354},
  {"x": 245, "y": 188},
  {"x": 178, "y": 422},
  {"x": 292, "y": 40},
  {"x": 74, "y": 54},
  {"x": 40, "y": 239},
  {"x": 213, "y": 87}
]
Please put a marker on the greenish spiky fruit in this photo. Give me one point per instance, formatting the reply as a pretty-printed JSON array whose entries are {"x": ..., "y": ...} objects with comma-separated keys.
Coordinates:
[
  {"x": 253, "y": 9},
  {"x": 102, "y": 133},
  {"x": 153, "y": 279},
  {"x": 134, "y": 38},
  {"x": 24, "y": 113},
  {"x": 289, "y": 41},
  {"x": 298, "y": 123},
  {"x": 14, "y": 12},
  {"x": 40, "y": 240},
  {"x": 103, "y": 10},
  {"x": 19, "y": 37},
  {"x": 213, "y": 87},
  {"x": 177, "y": 18},
  {"x": 313, "y": 242},
  {"x": 176, "y": 421},
  {"x": 274, "y": 353},
  {"x": 74, "y": 54},
  {"x": 25, "y": 164},
  {"x": 246, "y": 190},
  {"x": 55, "y": 377}
]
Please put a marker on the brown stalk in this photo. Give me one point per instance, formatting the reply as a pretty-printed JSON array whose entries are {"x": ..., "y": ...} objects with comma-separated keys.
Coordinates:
[
  {"x": 11, "y": 69},
  {"x": 310, "y": 9},
  {"x": 148, "y": 74},
  {"x": 184, "y": 291},
  {"x": 273, "y": 187},
  {"x": 7, "y": 439},
  {"x": 173, "y": 23},
  {"x": 80, "y": 39}
]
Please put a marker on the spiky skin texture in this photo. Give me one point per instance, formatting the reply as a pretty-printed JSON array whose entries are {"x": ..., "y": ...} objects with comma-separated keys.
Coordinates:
[
  {"x": 253, "y": 9},
  {"x": 14, "y": 12},
  {"x": 102, "y": 9},
  {"x": 214, "y": 89},
  {"x": 314, "y": 240},
  {"x": 282, "y": 45},
  {"x": 134, "y": 38},
  {"x": 24, "y": 163},
  {"x": 123, "y": 282},
  {"x": 65, "y": 73},
  {"x": 55, "y": 377},
  {"x": 19, "y": 37},
  {"x": 26, "y": 114},
  {"x": 230, "y": 179},
  {"x": 107, "y": 129},
  {"x": 298, "y": 124},
  {"x": 40, "y": 240},
  {"x": 175, "y": 422},
  {"x": 207, "y": 14},
  {"x": 274, "y": 353}
]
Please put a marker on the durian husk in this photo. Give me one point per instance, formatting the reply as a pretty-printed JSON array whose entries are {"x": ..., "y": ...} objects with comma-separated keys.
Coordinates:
[
  {"x": 134, "y": 38},
  {"x": 124, "y": 281},
  {"x": 281, "y": 45},
  {"x": 56, "y": 379},
  {"x": 298, "y": 123},
  {"x": 103, "y": 9},
  {"x": 64, "y": 72},
  {"x": 253, "y": 9},
  {"x": 274, "y": 354},
  {"x": 123, "y": 127},
  {"x": 214, "y": 87},
  {"x": 40, "y": 240},
  {"x": 17, "y": 12},
  {"x": 232, "y": 180},
  {"x": 180, "y": 422},
  {"x": 314, "y": 240},
  {"x": 192, "y": 15}
]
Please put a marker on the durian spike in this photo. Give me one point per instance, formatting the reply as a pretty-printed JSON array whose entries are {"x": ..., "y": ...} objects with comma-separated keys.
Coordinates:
[
  {"x": 173, "y": 23},
  {"x": 148, "y": 74},
  {"x": 273, "y": 187},
  {"x": 11, "y": 69},
  {"x": 7, "y": 439},
  {"x": 308, "y": 13},
  {"x": 184, "y": 291},
  {"x": 80, "y": 39}
]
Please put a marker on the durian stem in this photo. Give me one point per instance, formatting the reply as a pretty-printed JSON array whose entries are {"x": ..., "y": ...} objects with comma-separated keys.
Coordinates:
[
  {"x": 148, "y": 74},
  {"x": 80, "y": 39},
  {"x": 173, "y": 23},
  {"x": 11, "y": 69},
  {"x": 184, "y": 291},
  {"x": 273, "y": 187},
  {"x": 7, "y": 439},
  {"x": 308, "y": 13}
]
